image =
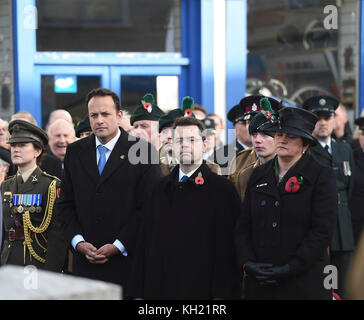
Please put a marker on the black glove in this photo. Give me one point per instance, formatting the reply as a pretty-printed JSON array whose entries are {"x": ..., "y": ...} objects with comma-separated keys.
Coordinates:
[
  {"x": 276, "y": 272},
  {"x": 256, "y": 268}
]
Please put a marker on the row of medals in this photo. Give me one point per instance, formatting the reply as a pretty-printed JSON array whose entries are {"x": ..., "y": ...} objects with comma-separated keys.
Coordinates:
[{"x": 21, "y": 209}]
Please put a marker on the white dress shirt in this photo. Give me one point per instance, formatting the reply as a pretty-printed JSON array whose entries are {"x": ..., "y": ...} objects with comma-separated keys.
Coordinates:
[
  {"x": 323, "y": 144},
  {"x": 189, "y": 174},
  {"x": 109, "y": 146}
]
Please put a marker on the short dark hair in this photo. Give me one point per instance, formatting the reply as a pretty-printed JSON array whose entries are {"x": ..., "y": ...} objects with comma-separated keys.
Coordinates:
[
  {"x": 102, "y": 92},
  {"x": 190, "y": 121}
]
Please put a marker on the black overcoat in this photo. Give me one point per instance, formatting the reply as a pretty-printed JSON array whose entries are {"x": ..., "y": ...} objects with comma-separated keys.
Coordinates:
[
  {"x": 186, "y": 246},
  {"x": 295, "y": 228},
  {"x": 356, "y": 202},
  {"x": 107, "y": 207},
  {"x": 343, "y": 165}
]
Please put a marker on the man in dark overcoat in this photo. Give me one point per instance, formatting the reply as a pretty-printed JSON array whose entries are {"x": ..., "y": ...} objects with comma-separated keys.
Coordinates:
[
  {"x": 186, "y": 247},
  {"x": 102, "y": 192},
  {"x": 337, "y": 155}
]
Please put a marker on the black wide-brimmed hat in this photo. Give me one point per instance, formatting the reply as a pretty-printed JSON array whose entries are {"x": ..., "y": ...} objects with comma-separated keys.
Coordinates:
[
  {"x": 321, "y": 105},
  {"x": 293, "y": 120},
  {"x": 23, "y": 131}
]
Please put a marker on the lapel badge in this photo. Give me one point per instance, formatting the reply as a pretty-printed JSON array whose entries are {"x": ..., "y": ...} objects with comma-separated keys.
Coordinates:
[
  {"x": 34, "y": 179},
  {"x": 122, "y": 157},
  {"x": 262, "y": 185}
]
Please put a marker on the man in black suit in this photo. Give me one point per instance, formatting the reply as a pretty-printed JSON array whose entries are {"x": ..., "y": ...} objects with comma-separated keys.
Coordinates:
[
  {"x": 102, "y": 193},
  {"x": 337, "y": 155},
  {"x": 186, "y": 247}
]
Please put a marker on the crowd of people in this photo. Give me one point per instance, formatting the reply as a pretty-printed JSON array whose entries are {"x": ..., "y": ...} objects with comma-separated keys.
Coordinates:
[{"x": 156, "y": 202}]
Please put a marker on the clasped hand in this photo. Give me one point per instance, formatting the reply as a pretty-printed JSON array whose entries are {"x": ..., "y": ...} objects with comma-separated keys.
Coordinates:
[
  {"x": 266, "y": 273},
  {"x": 94, "y": 255}
]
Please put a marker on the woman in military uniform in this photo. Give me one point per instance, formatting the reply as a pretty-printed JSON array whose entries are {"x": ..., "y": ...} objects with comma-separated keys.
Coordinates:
[
  {"x": 288, "y": 216},
  {"x": 32, "y": 234}
]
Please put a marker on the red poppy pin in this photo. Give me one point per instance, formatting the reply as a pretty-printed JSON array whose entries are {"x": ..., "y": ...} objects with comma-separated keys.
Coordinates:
[
  {"x": 293, "y": 184},
  {"x": 199, "y": 179},
  {"x": 148, "y": 107},
  {"x": 188, "y": 113}
]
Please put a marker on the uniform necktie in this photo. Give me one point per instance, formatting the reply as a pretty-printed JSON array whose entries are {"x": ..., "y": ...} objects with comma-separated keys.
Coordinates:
[
  {"x": 102, "y": 161},
  {"x": 184, "y": 178},
  {"x": 327, "y": 149},
  {"x": 19, "y": 179}
]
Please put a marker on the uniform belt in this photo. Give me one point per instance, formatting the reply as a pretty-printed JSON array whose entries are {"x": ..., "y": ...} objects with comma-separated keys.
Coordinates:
[{"x": 15, "y": 234}]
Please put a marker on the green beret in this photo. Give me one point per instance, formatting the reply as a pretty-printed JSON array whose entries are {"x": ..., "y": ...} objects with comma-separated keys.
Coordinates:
[
  {"x": 23, "y": 131},
  {"x": 167, "y": 120},
  {"x": 256, "y": 122},
  {"x": 147, "y": 110}
]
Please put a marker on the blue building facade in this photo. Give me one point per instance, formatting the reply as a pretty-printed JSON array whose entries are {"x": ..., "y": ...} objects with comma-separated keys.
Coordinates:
[{"x": 216, "y": 51}]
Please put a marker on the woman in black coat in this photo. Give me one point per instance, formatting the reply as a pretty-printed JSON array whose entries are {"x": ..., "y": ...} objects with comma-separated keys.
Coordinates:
[
  {"x": 356, "y": 202},
  {"x": 288, "y": 216}
]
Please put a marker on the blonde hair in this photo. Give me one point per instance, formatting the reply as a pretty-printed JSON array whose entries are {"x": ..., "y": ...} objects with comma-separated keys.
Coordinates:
[{"x": 24, "y": 115}]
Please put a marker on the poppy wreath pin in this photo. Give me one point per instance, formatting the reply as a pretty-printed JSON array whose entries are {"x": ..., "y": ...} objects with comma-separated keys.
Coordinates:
[
  {"x": 199, "y": 179},
  {"x": 148, "y": 101},
  {"x": 293, "y": 184},
  {"x": 187, "y": 103}
]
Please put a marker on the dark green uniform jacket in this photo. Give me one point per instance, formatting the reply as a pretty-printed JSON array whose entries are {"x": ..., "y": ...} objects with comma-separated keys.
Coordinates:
[
  {"x": 342, "y": 163},
  {"x": 51, "y": 239}
]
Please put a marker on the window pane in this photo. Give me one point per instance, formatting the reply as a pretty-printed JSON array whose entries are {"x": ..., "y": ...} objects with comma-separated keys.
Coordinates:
[
  {"x": 293, "y": 54},
  {"x": 133, "y": 88},
  {"x": 74, "y": 103},
  {"x": 109, "y": 25}
]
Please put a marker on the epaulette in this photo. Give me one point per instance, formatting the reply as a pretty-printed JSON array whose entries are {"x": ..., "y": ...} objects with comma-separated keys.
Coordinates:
[{"x": 50, "y": 176}]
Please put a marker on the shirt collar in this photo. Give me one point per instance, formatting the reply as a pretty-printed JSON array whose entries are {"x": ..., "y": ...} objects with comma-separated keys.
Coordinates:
[
  {"x": 242, "y": 144},
  {"x": 189, "y": 174},
  {"x": 111, "y": 144},
  {"x": 25, "y": 175},
  {"x": 323, "y": 144}
]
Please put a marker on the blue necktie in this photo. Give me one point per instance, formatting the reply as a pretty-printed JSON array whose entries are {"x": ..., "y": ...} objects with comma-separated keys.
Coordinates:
[
  {"x": 184, "y": 179},
  {"x": 102, "y": 161}
]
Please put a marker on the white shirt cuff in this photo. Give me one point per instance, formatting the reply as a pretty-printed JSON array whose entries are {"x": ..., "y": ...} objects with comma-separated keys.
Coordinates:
[
  {"x": 77, "y": 239},
  {"x": 120, "y": 246}
]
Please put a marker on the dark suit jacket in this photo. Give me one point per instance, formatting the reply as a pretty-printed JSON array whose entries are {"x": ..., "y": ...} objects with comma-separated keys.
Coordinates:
[
  {"x": 342, "y": 155},
  {"x": 51, "y": 164},
  {"x": 295, "y": 228},
  {"x": 107, "y": 207}
]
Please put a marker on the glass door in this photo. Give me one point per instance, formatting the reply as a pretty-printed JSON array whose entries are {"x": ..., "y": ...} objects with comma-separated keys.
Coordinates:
[
  {"x": 132, "y": 83},
  {"x": 63, "y": 87}
]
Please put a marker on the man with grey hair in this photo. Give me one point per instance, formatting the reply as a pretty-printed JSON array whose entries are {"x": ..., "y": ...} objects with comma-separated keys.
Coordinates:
[{"x": 61, "y": 133}]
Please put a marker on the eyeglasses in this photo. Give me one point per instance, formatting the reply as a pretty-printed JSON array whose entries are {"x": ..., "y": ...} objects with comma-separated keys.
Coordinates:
[{"x": 189, "y": 140}]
